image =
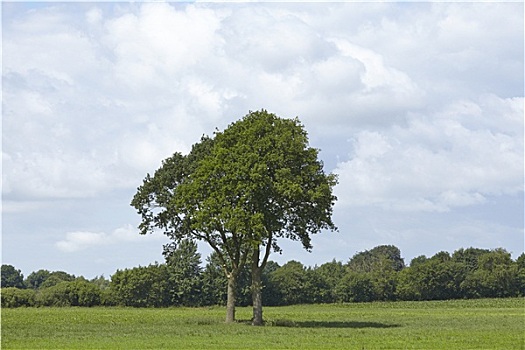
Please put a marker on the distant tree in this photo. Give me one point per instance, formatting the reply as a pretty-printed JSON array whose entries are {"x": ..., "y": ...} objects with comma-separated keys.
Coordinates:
[
  {"x": 270, "y": 292},
  {"x": 356, "y": 287},
  {"x": 469, "y": 257},
  {"x": 369, "y": 260},
  {"x": 45, "y": 279},
  {"x": 384, "y": 280},
  {"x": 183, "y": 262},
  {"x": 55, "y": 278},
  {"x": 332, "y": 273},
  {"x": 441, "y": 256},
  {"x": 11, "y": 277},
  {"x": 239, "y": 192},
  {"x": 418, "y": 260},
  {"x": 291, "y": 281},
  {"x": 214, "y": 284},
  {"x": 141, "y": 286},
  {"x": 318, "y": 288},
  {"x": 101, "y": 282},
  {"x": 437, "y": 278},
  {"x": 35, "y": 279},
  {"x": 497, "y": 276},
  {"x": 520, "y": 263}
]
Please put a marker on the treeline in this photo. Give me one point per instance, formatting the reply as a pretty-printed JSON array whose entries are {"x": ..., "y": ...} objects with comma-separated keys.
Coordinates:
[{"x": 379, "y": 274}]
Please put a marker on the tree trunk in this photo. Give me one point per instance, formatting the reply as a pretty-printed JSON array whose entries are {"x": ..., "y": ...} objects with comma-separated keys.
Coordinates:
[
  {"x": 257, "y": 296},
  {"x": 256, "y": 289},
  {"x": 230, "y": 304}
]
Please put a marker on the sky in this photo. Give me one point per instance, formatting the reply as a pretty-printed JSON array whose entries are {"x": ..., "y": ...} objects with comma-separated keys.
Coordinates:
[{"x": 418, "y": 107}]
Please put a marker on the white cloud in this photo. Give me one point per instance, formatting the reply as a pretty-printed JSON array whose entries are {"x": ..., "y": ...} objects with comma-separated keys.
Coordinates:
[
  {"x": 418, "y": 106},
  {"x": 81, "y": 240},
  {"x": 101, "y": 102},
  {"x": 451, "y": 159}
]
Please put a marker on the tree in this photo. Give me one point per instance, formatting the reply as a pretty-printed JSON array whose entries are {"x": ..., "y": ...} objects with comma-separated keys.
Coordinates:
[
  {"x": 270, "y": 292},
  {"x": 239, "y": 192},
  {"x": 11, "y": 277},
  {"x": 291, "y": 281},
  {"x": 437, "y": 278},
  {"x": 141, "y": 286},
  {"x": 497, "y": 276},
  {"x": 277, "y": 186},
  {"x": 332, "y": 273},
  {"x": 469, "y": 257},
  {"x": 183, "y": 201},
  {"x": 55, "y": 278},
  {"x": 371, "y": 260},
  {"x": 183, "y": 262},
  {"x": 35, "y": 279},
  {"x": 356, "y": 287},
  {"x": 520, "y": 263}
]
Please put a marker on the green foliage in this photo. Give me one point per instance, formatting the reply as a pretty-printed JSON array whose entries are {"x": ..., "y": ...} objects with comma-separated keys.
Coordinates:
[
  {"x": 469, "y": 257},
  {"x": 240, "y": 191},
  {"x": 356, "y": 287},
  {"x": 183, "y": 263},
  {"x": 101, "y": 282},
  {"x": 55, "y": 278},
  {"x": 291, "y": 281},
  {"x": 44, "y": 278},
  {"x": 35, "y": 279},
  {"x": 331, "y": 274},
  {"x": 496, "y": 276},
  {"x": 371, "y": 260},
  {"x": 270, "y": 292},
  {"x": 141, "y": 286},
  {"x": 467, "y": 273},
  {"x": 437, "y": 278},
  {"x": 16, "y": 297},
  {"x": 74, "y": 293},
  {"x": 11, "y": 277},
  {"x": 520, "y": 263},
  {"x": 271, "y": 179}
]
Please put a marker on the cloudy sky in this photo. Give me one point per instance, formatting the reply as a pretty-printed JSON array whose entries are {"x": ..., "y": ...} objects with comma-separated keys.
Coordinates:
[{"x": 417, "y": 106}]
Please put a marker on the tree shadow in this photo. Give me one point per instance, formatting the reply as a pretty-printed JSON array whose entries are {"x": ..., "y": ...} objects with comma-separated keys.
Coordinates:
[{"x": 330, "y": 324}]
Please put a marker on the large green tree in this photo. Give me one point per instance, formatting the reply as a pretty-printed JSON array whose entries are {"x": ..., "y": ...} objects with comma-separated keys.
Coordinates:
[
  {"x": 240, "y": 191},
  {"x": 280, "y": 187},
  {"x": 11, "y": 277},
  {"x": 184, "y": 202}
]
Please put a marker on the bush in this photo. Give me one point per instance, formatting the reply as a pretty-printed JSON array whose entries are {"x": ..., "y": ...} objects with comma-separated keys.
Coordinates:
[
  {"x": 141, "y": 286},
  {"x": 75, "y": 293},
  {"x": 15, "y": 297},
  {"x": 355, "y": 287}
]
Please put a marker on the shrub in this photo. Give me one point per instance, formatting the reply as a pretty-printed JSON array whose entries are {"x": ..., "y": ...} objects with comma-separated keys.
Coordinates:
[
  {"x": 75, "y": 293},
  {"x": 15, "y": 297},
  {"x": 141, "y": 286}
]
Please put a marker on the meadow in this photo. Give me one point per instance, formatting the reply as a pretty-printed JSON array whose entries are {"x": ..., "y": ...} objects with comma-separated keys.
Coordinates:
[{"x": 456, "y": 324}]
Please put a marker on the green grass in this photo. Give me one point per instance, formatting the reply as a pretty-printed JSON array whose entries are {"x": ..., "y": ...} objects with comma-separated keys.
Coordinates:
[{"x": 464, "y": 324}]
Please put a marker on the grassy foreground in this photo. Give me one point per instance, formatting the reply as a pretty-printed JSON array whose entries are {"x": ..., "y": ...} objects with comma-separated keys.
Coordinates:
[{"x": 464, "y": 324}]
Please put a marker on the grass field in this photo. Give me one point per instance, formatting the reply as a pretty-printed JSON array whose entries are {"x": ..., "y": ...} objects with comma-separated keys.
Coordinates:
[{"x": 464, "y": 324}]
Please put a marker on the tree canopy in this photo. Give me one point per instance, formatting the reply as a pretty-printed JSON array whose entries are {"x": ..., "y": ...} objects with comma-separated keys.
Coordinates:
[{"x": 240, "y": 191}]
